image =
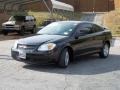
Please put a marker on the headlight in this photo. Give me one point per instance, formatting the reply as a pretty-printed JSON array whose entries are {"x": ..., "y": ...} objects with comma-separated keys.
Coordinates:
[
  {"x": 3, "y": 25},
  {"x": 15, "y": 45},
  {"x": 47, "y": 47}
]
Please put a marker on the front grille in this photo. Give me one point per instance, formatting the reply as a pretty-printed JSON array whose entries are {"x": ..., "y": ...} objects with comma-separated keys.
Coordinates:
[
  {"x": 9, "y": 25},
  {"x": 26, "y": 47}
]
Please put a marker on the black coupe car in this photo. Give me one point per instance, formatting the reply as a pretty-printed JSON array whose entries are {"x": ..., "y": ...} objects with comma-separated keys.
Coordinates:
[{"x": 60, "y": 42}]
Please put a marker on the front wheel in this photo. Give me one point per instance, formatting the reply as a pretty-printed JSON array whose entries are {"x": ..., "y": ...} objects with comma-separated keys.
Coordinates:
[
  {"x": 64, "y": 58},
  {"x": 104, "y": 53}
]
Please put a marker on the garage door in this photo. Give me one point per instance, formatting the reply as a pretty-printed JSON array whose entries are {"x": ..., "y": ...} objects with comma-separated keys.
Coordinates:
[{"x": 95, "y": 5}]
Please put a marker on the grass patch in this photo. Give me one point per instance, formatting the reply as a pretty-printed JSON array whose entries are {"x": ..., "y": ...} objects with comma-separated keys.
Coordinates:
[
  {"x": 112, "y": 21},
  {"x": 41, "y": 16}
]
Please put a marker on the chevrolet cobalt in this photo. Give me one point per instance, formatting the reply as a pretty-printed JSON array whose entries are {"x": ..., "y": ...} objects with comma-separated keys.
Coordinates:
[{"x": 60, "y": 42}]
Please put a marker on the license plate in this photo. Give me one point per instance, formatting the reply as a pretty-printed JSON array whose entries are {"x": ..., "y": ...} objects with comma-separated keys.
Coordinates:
[{"x": 22, "y": 54}]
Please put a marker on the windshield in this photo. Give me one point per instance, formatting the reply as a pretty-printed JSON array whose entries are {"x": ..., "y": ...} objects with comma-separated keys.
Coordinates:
[
  {"x": 17, "y": 18},
  {"x": 58, "y": 28}
]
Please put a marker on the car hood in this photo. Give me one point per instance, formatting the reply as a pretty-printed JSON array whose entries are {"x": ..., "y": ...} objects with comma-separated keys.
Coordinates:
[
  {"x": 9, "y": 22},
  {"x": 40, "y": 39}
]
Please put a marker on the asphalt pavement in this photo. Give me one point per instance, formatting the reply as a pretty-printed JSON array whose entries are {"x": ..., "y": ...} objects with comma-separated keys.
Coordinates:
[{"x": 85, "y": 73}]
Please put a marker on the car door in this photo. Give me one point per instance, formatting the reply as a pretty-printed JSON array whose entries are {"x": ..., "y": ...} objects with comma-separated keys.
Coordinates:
[
  {"x": 83, "y": 43},
  {"x": 99, "y": 36}
]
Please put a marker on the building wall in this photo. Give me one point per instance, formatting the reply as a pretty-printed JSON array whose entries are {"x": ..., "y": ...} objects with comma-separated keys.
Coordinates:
[
  {"x": 101, "y": 5},
  {"x": 79, "y": 5},
  {"x": 92, "y": 5}
]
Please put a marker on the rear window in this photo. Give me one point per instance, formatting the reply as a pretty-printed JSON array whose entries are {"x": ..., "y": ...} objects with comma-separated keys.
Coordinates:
[{"x": 17, "y": 18}]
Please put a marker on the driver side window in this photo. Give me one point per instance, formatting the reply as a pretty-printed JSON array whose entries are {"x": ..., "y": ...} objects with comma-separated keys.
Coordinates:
[{"x": 84, "y": 29}]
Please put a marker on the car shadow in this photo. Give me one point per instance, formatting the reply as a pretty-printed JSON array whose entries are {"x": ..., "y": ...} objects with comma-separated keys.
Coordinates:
[{"x": 90, "y": 65}]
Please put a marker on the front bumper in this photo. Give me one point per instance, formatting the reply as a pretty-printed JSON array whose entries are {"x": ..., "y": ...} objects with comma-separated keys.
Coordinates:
[
  {"x": 11, "y": 29},
  {"x": 36, "y": 57}
]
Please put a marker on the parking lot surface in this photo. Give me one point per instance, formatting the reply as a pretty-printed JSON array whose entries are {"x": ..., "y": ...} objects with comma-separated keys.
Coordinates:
[{"x": 85, "y": 73}]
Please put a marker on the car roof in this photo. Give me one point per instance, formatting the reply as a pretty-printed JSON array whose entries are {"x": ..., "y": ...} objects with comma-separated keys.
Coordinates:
[
  {"x": 77, "y": 21},
  {"x": 82, "y": 22}
]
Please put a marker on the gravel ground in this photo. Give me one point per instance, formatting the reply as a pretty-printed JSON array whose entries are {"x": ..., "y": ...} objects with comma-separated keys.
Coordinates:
[{"x": 85, "y": 73}]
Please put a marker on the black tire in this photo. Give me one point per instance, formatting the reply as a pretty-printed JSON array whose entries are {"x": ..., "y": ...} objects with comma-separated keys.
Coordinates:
[
  {"x": 64, "y": 58},
  {"x": 104, "y": 53},
  {"x": 22, "y": 31},
  {"x": 33, "y": 30},
  {"x": 5, "y": 33}
]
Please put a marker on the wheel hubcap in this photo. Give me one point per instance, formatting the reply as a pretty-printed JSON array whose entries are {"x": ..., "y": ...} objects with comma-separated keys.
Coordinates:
[
  {"x": 106, "y": 50},
  {"x": 66, "y": 58}
]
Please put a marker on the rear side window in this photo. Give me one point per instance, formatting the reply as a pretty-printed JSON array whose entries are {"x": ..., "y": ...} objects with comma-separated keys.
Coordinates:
[{"x": 97, "y": 28}]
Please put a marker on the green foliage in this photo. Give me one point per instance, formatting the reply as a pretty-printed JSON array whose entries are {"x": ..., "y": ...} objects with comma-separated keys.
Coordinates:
[{"x": 41, "y": 16}]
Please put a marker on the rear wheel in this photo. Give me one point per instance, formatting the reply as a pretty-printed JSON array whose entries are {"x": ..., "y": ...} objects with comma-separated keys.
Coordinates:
[
  {"x": 64, "y": 58},
  {"x": 104, "y": 53}
]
